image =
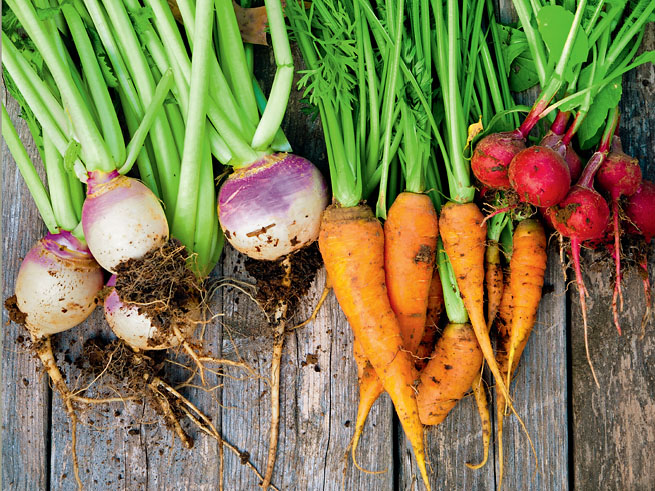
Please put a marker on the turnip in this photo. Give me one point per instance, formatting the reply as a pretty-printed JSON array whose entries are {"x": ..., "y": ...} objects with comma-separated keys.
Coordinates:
[
  {"x": 142, "y": 331},
  {"x": 272, "y": 207},
  {"x": 122, "y": 219},
  {"x": 620, "y": 175}
]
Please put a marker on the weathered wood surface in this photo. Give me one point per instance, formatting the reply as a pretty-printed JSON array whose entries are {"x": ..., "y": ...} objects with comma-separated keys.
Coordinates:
[
  {"x": 613, "y": 427},
  {"x": 611, "y": 445}
]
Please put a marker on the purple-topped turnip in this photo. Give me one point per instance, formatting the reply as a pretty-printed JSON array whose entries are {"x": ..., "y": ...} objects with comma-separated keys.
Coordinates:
[
  {"x": 57, "y": 285},
  {"x": 272, "y": 207}
]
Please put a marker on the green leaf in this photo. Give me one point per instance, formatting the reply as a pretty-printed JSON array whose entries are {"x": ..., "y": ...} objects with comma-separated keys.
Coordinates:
[
  {"x": 554, "y": 24},
  {"x": 523, "y": 73},
  {"x": 514, "y": 44},
  {"x": 102, "y": 57},
  {"x": 71, "y": 155},
  {"x": 608, "y": 98}
]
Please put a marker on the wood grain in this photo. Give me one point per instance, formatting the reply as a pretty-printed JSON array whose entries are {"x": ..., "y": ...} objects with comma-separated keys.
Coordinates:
[
  {"x": 25, "y": 394},
  {"x": 613, "y": 426}
]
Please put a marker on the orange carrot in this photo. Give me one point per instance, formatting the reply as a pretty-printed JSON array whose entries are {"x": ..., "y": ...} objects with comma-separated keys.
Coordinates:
[
  {"x": 527, "y": 269},
  {"x": 435, "y": 308},
  {"x": 351, "y": 241},
  {"x": 493, "y": 280},
  {"x": 481, "y": 401},
  {"x": 410, "y": 242},
  {"x": 454, "y": 365},
  {"x": 464, "y": 234},
  {"x": 503, "y": 323}
]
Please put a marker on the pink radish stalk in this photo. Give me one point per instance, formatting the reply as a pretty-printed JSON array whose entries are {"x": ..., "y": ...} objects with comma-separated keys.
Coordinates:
[{"x": 620, "y": 175}]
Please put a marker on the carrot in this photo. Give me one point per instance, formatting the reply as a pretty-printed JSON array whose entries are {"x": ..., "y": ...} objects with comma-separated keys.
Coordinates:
[
  {"x": 483, "y": 410},
  {"x": 351, "y": 241},
  {"x": 410, "y": 242},
  {"x": 463, "y": 233},
  {"x": 503, "y": 323},
  {"x": 493, "y": 280},
  {"x": 434, "y": 310},
  {"x": 519, "y": 307},
  {"x": 455, "y": 363},
  {"x": 527, "y": 269}
]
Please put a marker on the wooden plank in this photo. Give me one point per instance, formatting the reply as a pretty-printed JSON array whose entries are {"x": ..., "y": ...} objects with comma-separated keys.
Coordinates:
[
  {"x": 614, "y": 441},
  {"x": 318, "y": 400},
  {"x": 25, "y": 393},
  {"x": 540, "y": 396}
]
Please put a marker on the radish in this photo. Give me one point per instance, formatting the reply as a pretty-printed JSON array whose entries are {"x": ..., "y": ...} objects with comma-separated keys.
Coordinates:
[
  {"x": 272, "y": 207},
  {"x": 640, "y": 210},
  {"x": 620, "y": 175},
  {"x": 492, "y": 156},
  {"x": 557, "y": 140},
  {"x": 540, "y": 176},
  {"x": 584, "y": 215}
]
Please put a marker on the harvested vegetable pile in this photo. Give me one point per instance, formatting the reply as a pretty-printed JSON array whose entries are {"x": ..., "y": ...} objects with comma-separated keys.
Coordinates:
[{"x": 443, "y": 194}]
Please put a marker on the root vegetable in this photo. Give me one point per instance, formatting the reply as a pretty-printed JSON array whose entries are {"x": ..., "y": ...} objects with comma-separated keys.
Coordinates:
[
  {"x": 540, "y": 176},
  {"x": 121, "y": 218},
  {"x": 492, "y": 156},
  {"x": 57, "y": 285},
  {"x": 272, "y": 207},
  {"x": 352, "y": 245}
]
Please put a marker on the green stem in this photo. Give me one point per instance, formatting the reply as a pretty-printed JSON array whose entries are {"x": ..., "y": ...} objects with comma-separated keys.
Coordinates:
[
  {"x": 535, "y": 43},
  {"x": 452, "y": 299},
  {"x": 167, "y": 158},
  {"x": 111, "y": 129},
  {"x": 145, "y": 157},
  {"x": 281, "y": 88},
  {"x": 206, "y": 216},
  {"x": 58, "y": 180},
  {"x": 229, "y": 39},
  {"x": 186, "y": 209},
  {"x": 94, "y": 149},
  {"x": 138, "y": 138},
  {"x": 390, "y": 95},
  {"x": 27, "y": 170}
]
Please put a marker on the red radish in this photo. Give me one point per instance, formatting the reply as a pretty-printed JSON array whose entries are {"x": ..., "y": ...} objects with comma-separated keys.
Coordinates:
[
  {"x": 121, "y": 218},
  {"x": 492, "y": 156},
  {"x": 57, "y": 285},
  {"x": 540, "y": 176},
  {"x": 620, "y": 175},
  {"x": 584, "y": 215},
  {"x": 640, "y": 210},
  {"x": 560, "y": 142}
]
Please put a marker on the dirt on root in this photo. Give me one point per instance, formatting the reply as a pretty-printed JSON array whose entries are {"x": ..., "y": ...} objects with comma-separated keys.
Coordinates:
[
  {"x": 271, "y": 277},
  {"x": 160, "y": 284},
  {"x": 15, "y": 314}
]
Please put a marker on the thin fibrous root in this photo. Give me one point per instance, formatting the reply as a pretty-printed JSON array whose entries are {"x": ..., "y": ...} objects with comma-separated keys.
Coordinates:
[
  {"x": 45, "y": 354},
  {"x": 204, "y": 424},
  {"x": 170, "y": 417},
  {"x": 324, "y": 294}
]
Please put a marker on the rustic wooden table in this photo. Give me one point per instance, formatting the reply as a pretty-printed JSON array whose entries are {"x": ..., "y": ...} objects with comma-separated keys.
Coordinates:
[{"x": 585, "y": 437}]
